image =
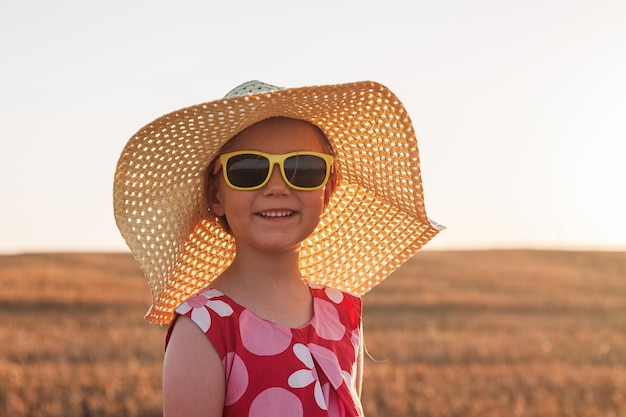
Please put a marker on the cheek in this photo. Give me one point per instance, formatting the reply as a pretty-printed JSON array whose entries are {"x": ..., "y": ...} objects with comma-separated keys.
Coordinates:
[
  {"x": 236, "y": 205},
  {"x": 317, "y": 203}
]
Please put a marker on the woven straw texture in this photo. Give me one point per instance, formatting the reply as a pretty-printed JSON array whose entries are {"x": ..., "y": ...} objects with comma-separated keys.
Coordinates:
[{"x": 375, "y": 220}]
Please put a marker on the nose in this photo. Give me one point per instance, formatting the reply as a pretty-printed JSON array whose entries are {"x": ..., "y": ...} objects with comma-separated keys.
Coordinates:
[{"x": 276, "y": 184}]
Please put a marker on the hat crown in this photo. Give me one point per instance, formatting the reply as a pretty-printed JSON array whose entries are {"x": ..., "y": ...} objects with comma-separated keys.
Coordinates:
[{"x": 251, "y": 87}]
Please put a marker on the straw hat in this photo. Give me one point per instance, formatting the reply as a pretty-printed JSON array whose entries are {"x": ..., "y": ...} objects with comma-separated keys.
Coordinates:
[{"x": 375, "y": 220}]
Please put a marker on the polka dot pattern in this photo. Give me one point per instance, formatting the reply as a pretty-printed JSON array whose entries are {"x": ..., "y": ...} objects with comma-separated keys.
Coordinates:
[
  {"x": 273, "y": 370},
  {"x": 261, "y": 337}
]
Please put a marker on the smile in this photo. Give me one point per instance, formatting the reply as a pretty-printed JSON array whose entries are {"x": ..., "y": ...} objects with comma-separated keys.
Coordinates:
[{"x": 284, "y": 213}]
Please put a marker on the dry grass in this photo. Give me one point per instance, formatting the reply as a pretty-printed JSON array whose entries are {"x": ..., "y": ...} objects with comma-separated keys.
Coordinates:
[{"x": 493, "y": 333}]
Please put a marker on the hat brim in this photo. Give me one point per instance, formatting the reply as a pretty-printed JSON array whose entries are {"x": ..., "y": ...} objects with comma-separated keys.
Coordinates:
[{"x": 375, "y": 220}]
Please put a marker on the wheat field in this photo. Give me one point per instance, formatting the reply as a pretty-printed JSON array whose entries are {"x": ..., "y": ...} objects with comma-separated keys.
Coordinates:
[{"x": 467, "y": 333}]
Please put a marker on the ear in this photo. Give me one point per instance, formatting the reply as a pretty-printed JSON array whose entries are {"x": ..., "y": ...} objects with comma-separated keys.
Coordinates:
[{"x": 213, "y": 196}]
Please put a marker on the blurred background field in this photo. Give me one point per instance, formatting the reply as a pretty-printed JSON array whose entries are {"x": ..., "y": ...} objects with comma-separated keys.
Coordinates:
[{"x": 467, "y": 333}]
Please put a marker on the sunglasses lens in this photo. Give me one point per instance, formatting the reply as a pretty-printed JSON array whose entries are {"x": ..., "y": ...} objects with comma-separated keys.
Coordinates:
[
  {"x": 305, "y": 171},
  {"x": 247, "y": 170}
]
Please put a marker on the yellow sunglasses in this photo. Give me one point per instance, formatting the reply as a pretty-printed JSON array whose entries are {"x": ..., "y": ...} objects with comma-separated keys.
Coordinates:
[{"x": 251, "y": 170}]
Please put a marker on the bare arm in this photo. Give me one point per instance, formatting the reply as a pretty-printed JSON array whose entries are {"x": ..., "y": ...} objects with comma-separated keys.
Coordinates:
[{"x": 193, "y": 374}]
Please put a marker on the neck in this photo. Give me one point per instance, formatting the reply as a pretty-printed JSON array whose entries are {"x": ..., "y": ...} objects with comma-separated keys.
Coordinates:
[
  {"x": 271, "y": 286},
  {"x": 263, "y": 270}
]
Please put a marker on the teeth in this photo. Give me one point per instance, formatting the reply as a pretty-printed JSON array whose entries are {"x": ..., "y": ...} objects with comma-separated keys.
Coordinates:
[{"x": 276, "y": 213}]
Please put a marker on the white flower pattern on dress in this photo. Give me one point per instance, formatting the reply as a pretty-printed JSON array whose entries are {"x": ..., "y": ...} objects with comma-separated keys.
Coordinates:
[
  {"x": 305, "y": 377},
  {"x": 199, "y": 305}
]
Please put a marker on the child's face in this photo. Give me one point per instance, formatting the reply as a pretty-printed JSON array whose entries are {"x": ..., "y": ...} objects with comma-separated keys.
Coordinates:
[{"x": 275, "y": 217}]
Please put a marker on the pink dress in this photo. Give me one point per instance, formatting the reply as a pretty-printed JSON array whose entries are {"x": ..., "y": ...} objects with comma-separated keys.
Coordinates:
[{"x": 275, "y": 371}]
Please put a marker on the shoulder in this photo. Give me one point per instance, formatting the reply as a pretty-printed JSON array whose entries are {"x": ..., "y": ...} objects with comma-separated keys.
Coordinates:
[
  {"x": 210, "y": 299},
  {"x": 191, "y": 367},
  {"x": 210, "y": 311},
  {"x": 184, "y": 333},
  {"x": 348, "y": 306},
  {"x": 334, "y": 295}
]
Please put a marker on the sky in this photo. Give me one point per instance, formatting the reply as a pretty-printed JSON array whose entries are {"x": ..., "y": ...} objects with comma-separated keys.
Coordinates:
[{"x": 519, "y": 106}]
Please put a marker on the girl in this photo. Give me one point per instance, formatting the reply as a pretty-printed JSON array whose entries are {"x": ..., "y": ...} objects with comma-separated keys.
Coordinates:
[{"x": 257, "y": 220}]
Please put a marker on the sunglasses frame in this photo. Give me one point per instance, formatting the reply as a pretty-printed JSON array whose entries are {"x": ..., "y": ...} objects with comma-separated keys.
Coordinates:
[{"x": 275, "y": 159}]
